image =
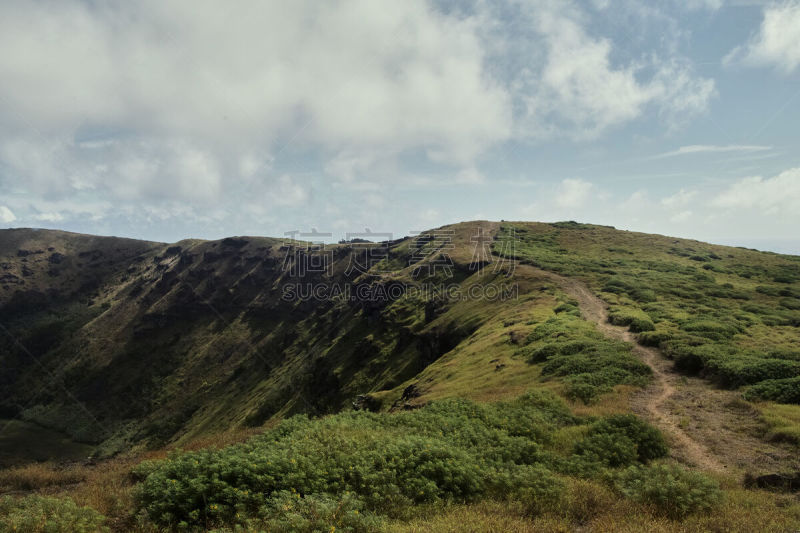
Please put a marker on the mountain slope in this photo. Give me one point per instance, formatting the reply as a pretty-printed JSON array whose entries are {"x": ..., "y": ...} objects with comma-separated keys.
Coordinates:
[
  {"x": 505, "y": 358},
  {"x": 123, "y": 342}
]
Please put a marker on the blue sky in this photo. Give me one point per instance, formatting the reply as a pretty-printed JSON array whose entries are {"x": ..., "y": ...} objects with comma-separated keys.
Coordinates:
[{"x": 199, "y": 119}]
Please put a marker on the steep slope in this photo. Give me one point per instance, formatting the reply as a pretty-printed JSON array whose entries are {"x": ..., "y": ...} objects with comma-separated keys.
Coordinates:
[
  {"x": 133, "y": 342},
  {"x": 505, "y": 358},
  {"x": 123, "y": 342}
]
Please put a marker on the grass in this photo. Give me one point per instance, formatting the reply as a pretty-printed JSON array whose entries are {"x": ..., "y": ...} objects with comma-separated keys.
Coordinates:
[
  {"x": 474, "y": 449},
  {"x": 782, "y": 421},
  {"x": 705, "y": 305},
  {"x": 389, "y": 467},
  {"x": 36, "y": 476}
]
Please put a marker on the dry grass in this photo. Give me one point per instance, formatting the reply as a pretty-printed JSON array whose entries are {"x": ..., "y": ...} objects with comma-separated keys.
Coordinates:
[
  {"x": 591, "y": 506},
  {"x": 38, "y": 476},
  {"x": 484, "y": 517},
  {"x": 783, "y": 422}
]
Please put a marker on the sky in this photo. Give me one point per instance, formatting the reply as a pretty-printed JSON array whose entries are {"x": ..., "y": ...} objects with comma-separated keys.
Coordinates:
[{"x": 169, "y": 120}]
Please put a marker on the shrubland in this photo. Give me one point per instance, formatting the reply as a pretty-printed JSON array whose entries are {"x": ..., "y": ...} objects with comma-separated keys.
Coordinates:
[
  {"x": 730, "y": 315},
  {"x": 587, "y": 362},
  {"x": 361, "y": 471}
]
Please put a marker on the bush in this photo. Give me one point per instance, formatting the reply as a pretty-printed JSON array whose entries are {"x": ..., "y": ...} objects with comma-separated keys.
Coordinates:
[
  {"x": 637, "y": 321},
  {"x": 590, "y": 363},
  {"x": 654, "y": 338},
  {"x": 671, "y": 489},
  {"x": 776, "y": 390},
  {"x": 289, "y": 512},
  {"x": 537, "y": 488},
  {"x": 34, "y": 514},
  {"x": 638, "y": 325},
  {"x": 452, "y": 450},
  {"x": 711, "y": 329},
  {"x": 620, "y": 440},
  {"x": 610, "y": 449}
]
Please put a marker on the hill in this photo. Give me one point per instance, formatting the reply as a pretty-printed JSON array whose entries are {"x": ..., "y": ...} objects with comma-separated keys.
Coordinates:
[{"x": 128, "y": 345}]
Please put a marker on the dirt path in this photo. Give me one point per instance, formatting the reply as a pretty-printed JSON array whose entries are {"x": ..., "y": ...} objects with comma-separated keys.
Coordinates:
[
  {"x": 652, "y": 401},
  {"x": 710, "y": 428}
]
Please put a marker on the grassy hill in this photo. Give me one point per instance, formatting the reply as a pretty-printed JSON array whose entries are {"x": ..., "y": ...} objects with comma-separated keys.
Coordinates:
[{"x": 482, "y": 371}]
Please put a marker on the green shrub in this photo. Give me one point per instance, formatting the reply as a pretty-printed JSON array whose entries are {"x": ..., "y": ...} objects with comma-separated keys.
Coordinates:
[
  {"x": 620, "y": 440},
  {"x": 34, "y": 514},
  {"x": 609, "y": 449},
  {"x": 777, "y": 390},
  {"x": 290, "y": 512},
  {"x": 537, "y": 488},
  {"x": 654, "y": 338},
  {"x": 711, "y": 329},
  {"x": 638, "y": 325},
  {"x": 790, "y": 303},
  {"x": 589, "y": 363},
  {"x": 452, "y": 450},
  {"x": 737, "y": 370},
  {"x": 637, "y": 321},
  {"x": 566, "y": 308},
  {"x": 650, "y": 443},
  {"x": 671, "y": 489}
]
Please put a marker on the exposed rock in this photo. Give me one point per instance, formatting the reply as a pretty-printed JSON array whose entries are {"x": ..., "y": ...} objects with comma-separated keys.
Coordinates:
[
  {"x": 365, "y": 402},
  {"x": 56, "y": 258},
  {"x": 410, "y": 392},
  {"x": 786, "y": 482},
  {"x": 26, "y": 253}
]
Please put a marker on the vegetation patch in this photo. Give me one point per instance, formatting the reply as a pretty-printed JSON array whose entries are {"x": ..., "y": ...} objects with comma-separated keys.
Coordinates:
[
  {"x": 42, "y": 514},
  {"x": 381, "y": 465},
  {"x": 589, "y": 363},
  {"x": 777, "y": 390},
  {"x": 673, "y": 490},
  {"x": 729, "y": 315}
]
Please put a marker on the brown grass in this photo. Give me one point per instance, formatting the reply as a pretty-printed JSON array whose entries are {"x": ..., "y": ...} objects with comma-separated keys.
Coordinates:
[{"x": 38, "y": 476}]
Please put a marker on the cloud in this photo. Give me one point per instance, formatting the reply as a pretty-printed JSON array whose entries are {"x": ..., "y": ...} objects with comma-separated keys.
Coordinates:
[
  {"x": 777, "y": 195},
  {"x": 574, "y": 193},
  {"x": 188, "y": 111},
  {"x": 167, "y": 90},
  {"x": 569, "y": 85},
  {"x": 289, "y": 193},
  {"x": 6, "y": 215},
  {"x": 777, "y": 42},
  {"x": 681, "y": 216},
  {"x": 709, "y": 148},
  {"x": 679, "y": 199}
]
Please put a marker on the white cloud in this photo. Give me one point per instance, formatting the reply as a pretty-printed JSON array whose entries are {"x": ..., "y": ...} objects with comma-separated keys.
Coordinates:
[
  {"x": 574, "y": 193},
  {"x": 6, "y": 215},
  {"x": 709, "y": 148},
  {"x": 290, "y": 193},
  {"x": 777, "y": 195},
  {"x": 223, "y": 87},
  {"x": 574, "y": 88},
  {"x": 193, "y": 111},
  {"x": 777, "y": 42},
  {"x": 469, "y": 175},
  {"x": 681, "y": 216},
  {"x": 679, "y": 199},
  {"x": 48, "y": 217}
]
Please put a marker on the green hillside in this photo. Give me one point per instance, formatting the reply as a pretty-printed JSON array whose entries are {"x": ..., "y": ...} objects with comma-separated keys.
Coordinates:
[{"x": 482, "y": 371}]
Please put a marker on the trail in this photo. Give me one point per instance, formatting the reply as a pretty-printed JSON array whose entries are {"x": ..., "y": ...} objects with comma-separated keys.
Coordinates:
[{"x": 651, "y": 401}]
